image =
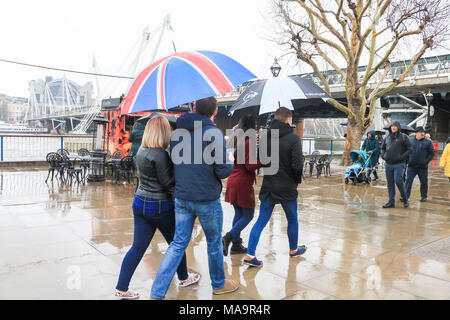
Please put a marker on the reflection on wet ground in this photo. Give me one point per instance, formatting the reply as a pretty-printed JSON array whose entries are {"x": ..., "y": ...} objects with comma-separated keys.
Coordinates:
[{"x": 60, "y": 242}]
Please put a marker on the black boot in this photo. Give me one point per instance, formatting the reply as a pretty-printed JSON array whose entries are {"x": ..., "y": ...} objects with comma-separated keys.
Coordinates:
[
  {"x": 226, "y": 240},
  {"x": 406, "y": 204},
  {"x": 389, "y": 205},
  {"x": 238, "y": 248},
  {"x": 375, "y": 175}
]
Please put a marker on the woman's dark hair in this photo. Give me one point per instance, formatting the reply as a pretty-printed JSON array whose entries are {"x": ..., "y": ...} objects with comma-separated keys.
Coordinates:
[{"x": 247, "y": 122}]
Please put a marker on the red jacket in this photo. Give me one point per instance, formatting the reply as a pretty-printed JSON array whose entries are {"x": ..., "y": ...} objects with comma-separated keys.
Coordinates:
[{"x": 240, "y": 183}]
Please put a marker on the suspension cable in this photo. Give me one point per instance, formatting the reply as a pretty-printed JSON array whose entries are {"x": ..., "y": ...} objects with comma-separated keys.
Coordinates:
[{"x": 65, "y": 70}]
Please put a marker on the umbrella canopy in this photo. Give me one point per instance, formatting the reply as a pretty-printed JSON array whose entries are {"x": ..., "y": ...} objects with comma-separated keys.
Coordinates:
[
  {"x": 404, "y": 128},
  {"x": 291, "y": 92},
  {"x": 355, "y": 153},
  {"x": 172, "y": 118},
  {"x": 181, "y": 78}
]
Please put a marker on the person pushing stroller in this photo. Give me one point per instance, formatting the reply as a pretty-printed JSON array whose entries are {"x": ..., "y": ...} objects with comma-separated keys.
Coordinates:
[{"x": 372, "y": 147}]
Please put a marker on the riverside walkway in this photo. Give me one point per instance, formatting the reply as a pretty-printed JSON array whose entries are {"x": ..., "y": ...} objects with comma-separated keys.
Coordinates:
[{"x": 61, "y": 242}]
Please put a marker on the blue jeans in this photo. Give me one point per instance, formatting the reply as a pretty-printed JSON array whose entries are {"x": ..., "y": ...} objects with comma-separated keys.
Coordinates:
[
  {"x": 148, "y": 216},
  {"x": 423, "y": 177},
  {"x": 394, "y": 176},
  {"x": 242, "y": 217},
  {"x": 210, "y": 216},
  {"x": 265, "y": 212}
]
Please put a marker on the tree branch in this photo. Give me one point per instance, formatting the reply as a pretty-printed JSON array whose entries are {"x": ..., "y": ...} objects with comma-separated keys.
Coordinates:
[
  {"x": 347, "y": 54},
  {"x": 396, "y": 82}
]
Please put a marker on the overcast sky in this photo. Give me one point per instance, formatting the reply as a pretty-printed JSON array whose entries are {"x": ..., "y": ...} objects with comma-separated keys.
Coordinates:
[{"x": 67, "y": 34}]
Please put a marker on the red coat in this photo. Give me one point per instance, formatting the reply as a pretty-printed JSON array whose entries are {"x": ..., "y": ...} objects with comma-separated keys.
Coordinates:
[{"x": 240, "y": 183}]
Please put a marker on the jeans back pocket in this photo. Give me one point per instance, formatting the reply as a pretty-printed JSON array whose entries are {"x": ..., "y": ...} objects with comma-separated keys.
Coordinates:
[{"x": 151, "y": 207}]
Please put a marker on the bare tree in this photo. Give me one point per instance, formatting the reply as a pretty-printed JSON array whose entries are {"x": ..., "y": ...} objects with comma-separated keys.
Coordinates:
[{"x": 356, "y": 31}]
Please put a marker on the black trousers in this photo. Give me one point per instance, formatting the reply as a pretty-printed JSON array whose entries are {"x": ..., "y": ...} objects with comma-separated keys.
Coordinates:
[{"x": 423, "y": 177}]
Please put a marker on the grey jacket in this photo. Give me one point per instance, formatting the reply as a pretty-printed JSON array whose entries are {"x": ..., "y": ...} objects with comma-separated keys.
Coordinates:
[{"x": 155, "y": 172}]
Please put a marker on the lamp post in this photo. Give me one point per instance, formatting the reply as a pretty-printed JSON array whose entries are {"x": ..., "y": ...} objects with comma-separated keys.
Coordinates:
[
  {"x": 275, "y": 68},
  {"x": 430, "y": 111}
]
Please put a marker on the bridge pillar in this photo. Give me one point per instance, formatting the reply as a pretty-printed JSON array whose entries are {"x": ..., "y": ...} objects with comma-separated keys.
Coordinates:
[{"x": 299, "y": 128}]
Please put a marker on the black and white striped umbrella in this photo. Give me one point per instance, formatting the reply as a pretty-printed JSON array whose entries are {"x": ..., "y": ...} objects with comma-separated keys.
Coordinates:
[{"x": 289, "y": 92}]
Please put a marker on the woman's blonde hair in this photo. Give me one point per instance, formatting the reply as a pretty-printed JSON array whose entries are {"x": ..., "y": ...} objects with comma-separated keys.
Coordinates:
[{"x": 157, "y": 133}]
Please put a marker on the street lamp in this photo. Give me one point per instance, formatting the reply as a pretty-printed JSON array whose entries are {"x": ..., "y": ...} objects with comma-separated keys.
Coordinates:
[
  {"x": 430, "y": 111},
  {"x": 275, "y": 68}
]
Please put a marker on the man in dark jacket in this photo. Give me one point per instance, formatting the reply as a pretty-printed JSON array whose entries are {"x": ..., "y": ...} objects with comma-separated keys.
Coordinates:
[
  {"x": 422, "y": 154},
  {"x": 136, "y": 138},
  {"x": 197, "y": 194},
  {"x": 280, "y": 187},
  {"x": 395, "y": 151}
]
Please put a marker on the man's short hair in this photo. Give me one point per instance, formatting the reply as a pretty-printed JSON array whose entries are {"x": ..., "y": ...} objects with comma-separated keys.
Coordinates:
[
  {"x": 282, "y": 114},
  {"x": 206, "y": 106}
]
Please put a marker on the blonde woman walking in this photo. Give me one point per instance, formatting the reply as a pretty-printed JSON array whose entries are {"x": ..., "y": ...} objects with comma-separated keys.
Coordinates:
[{"x": 153, "y": 205}]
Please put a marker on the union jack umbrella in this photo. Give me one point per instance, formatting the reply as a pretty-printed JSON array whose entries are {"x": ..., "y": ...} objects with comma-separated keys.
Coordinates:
[{"x": 182, "y": 78}]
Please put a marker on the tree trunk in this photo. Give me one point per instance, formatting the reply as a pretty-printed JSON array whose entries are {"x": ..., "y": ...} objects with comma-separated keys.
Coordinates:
[{"x": 355, "y": 132}]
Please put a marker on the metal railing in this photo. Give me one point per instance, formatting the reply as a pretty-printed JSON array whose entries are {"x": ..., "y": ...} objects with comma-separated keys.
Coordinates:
[
  {"x": 323, "y": 145},
  {"x": 431, "y": 67},
  {"x": 17, "y": 148}
]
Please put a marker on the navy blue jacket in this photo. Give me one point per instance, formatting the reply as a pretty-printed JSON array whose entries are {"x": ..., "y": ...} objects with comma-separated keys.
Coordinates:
[
  {"x": 422, "y": 153},
  {"x": 202, "y": 181}
]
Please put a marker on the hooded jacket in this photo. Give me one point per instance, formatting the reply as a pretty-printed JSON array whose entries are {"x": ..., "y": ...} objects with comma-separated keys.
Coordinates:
[
  {"x": 372, "y": 144},
  {"x": 195, "y": 179},
  {"x": 282, "y": 186},
  {"x": 422, "y": 153},
  {"x": 136, "y": 138},
  {"x": 396, "y": 147}
]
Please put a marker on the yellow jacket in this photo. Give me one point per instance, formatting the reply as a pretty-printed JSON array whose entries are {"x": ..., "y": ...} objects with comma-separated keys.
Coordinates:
[{"x": 445, "y": 160}]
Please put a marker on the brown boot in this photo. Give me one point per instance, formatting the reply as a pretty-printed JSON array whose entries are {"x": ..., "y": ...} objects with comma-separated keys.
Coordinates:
[{"x": 229, "y": 286}]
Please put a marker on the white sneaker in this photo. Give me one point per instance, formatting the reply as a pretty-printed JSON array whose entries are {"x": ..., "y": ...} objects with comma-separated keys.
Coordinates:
[
  {"x": 191, "y": 279},
  {"x": 125, "y": 295}
]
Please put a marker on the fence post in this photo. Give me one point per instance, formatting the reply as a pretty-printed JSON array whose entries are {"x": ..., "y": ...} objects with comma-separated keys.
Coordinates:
[
  {"x": 62, "y": 143},
  {"x": 331, "y": 146},
  {"x": 1, "y": 147}
]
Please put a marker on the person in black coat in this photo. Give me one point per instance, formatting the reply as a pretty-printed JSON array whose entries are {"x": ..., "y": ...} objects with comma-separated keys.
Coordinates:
[
  {"x": 422, "y": 154},
  {"x": 136, "y": 138},
  {"x": 280, "y": 187},
  {"x": 395, "y": 150}
]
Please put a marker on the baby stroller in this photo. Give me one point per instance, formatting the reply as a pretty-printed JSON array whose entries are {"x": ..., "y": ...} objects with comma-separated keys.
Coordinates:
[{"x": 359, "y": 171}]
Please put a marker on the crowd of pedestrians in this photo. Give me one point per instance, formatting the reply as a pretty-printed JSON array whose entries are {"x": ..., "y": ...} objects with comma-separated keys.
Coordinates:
[{"x": 172, "y": 194}]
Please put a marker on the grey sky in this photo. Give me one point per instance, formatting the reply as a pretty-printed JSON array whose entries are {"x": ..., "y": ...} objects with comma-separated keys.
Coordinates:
[{"x": 67, "y": 34}]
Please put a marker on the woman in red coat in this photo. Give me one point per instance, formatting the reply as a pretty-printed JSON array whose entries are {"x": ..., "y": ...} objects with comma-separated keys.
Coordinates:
[{"x": 240, "y": 192}]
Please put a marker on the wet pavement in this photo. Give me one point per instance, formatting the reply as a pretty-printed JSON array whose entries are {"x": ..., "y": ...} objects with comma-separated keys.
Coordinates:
[{"x": 61, "y": 242}]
